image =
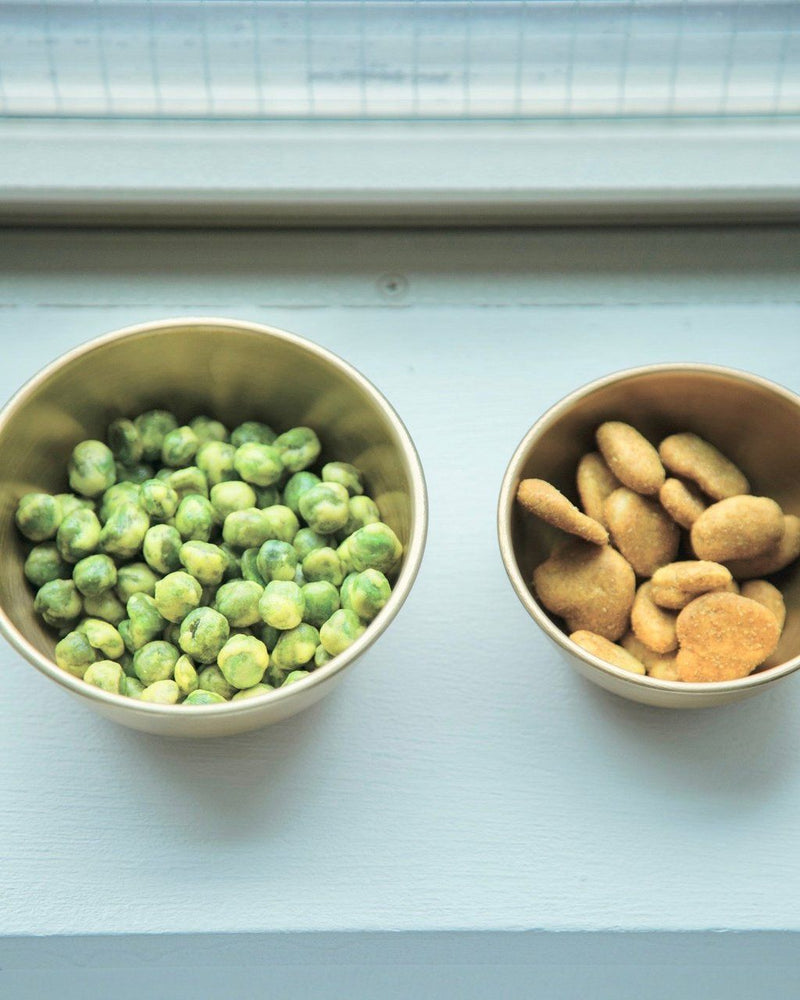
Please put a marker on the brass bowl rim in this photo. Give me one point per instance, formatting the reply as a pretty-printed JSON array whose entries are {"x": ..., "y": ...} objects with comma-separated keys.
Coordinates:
[
  {"x": 505, "y": 508},
  {"x": 413, "y": 550}
]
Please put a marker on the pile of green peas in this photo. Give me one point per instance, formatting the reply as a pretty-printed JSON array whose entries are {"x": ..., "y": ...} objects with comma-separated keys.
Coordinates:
[{"x": 196, "y": 565}]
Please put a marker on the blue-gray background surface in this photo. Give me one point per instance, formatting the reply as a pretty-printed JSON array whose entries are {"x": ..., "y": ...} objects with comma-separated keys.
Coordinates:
[{"x": 462, "y": 778}]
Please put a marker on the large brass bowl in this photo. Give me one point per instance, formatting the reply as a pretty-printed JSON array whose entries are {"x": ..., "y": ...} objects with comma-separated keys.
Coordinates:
[
  {"x": 753, "y": 421},
  {"x": 234, "y": 371}
]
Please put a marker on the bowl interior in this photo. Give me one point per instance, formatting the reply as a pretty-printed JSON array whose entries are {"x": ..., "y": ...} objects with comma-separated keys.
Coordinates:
[
  {"x": 754, "y": 423},
  {"x": 230, "y": 372}
]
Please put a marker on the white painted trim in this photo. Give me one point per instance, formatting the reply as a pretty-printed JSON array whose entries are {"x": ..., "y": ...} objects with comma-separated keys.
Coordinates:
[{"x": 414, "y": 173}]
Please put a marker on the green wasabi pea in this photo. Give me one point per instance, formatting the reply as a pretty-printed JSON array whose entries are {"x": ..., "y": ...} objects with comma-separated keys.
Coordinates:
[
  {"x": 176, "y": 595},
  {"x": 216, "y": 460},
  {"x": 58, "y": 602},
  {"x": 106, "y": 675},
  {"x": 94, "y": 575},
  {"x": 135, "y": 578},
  {"x": 267, "y": 634},
  {"x": 346, "y": 475},
  {"x": 367, "y": 593},
  {"x": 340, "y": 631},
  {"x": 194, "y": 518},
  {"x": 345, "y": 557},
  {"x": 299, "y": 577},
  {"x": 126, "y": 662},
  {"x": 204, "y": 698},
  {"x": 252, "y": 430},
  {"x": 123, "y": 533},
  {"x": 258, "y": 463},
  {"x": 282, "y": 604},
  {"x": 238, "y": 602},
  {"x": 274, "y": 676},
  {"x": 344, "y": 590},
  {"x": 69, "y": 502},
  {"x": 325, "y": 507},
  {"x": 363, "y": 511},
  {"x": 161, "y": 693},
  {"x": 211, "y": 679},
  {"x": 249, "y": 567},
  {"x": 131, "y": 687},
  {"x": 321, "y": 599},
  {"x": 155, "y": 661},
  {"x": 138, "y": 473},
  {"x": 299, "y": 448},
  {"x": 179, "y": 447},
  {"x": 74, "y": 653},
  {"x": 267, "y": 496},
  {"x": 161, "y": 548},
  {"x": 246, "y": 529},
  {"x": 172, "y": 633},
  {"x": 282, "y": 524},
  {"x": 78, "y": 535},
  {"x": 276, "y": 560},
  {"x": 208, "y": 429},
  {"x": 91, "y": 468},
  {"x": 203, "y": 634},
  {"x": 44, "y": 563},
  {"x": 375, "y": 546},
  {"x": 233, "y": 568},
  {"x": 230, "y": 496},
  {"x": 114, "y": 496},
  {"x": 243, "y": 661},
  {"x": 105, "y": 606},
  {"x": 204, "y": 561},
  {"x": 38, "y": 516},
  {"x": 145, "y": 622},
  {"x": 306, "y": 541},
  {"x": 321, "y": 656},
  {"x": 103, "y": 636},
  {"x": 254, "y": 692},
  {"x": 295, "y": 647},
  {"x": 296, "y": 486},
  {"x": 153, "y": 427},
  {"x": 188, "y": 481},
  {"x": 158, "y": 499},
  {"x": 323, "y": 564},
  {"x": 294, "y": 677},
  {"x": 125, "y": 441},
  {"x": 185, "y": 675}
]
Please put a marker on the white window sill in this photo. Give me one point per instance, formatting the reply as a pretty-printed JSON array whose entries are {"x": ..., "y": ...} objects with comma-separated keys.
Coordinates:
[{"x": 231, "y": 173}]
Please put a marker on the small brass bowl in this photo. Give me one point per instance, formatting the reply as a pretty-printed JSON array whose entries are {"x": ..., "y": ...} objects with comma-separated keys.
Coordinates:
[
  {"x": 234, "y": 371},
  {"x": 754, "y": 422}
]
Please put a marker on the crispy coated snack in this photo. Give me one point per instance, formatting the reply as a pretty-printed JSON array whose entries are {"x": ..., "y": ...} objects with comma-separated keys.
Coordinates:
[
  {"x": 631, "y": 457},
  {"x": 596, "y": 482},
  {"x": 693, "y": 458},
  {"x": 671, "y": 597},
  {"x": 785, "y": 552},
  {"x": 675, "y": 599},
  {"x": 662, "y": 666},
  {"x": 764, "y": 593},
  {"x": 741, "y": 527},
  {"x": 548, "y": 503},
  {"x": 724, "y": 636},
  {"x": 608, "y": 651},
  {"x": 590, "y": 586},
  {"x": 652, "y": 624},
  {"x": 694, "y": 576},
  {"x": 642, "y": 530},
  {"x": 682, "y": 501}
]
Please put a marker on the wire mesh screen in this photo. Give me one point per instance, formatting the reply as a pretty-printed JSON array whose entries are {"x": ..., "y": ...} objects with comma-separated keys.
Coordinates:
[{"x": 313, "y": 59}]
